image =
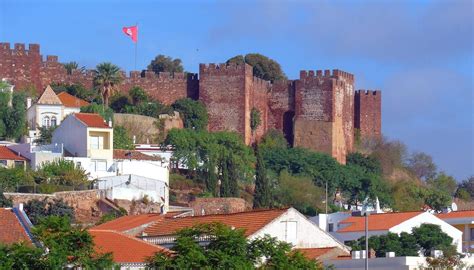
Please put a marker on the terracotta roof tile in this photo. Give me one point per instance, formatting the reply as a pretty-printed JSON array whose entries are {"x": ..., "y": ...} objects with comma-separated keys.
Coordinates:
[
  {"x": 11, "y": 230},
  {"x": 69, "y": 100},
  {"x": 250, "y": 221},
  {"x": 49, "y": 97},
  {"x": 377, "y": 222},
  {"x": 124, "y": 248},
  {"x": 91, "y": 120},
  {"x": 7, "y": 153},
  {"x": 133, "y": 154},
  {"x": 457, "y": 214}
]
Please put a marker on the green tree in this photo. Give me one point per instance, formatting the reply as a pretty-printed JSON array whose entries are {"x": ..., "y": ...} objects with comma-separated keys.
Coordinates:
[
  {"x": 263, "y": 67},
  {"x": 408, "y": 195},
  {"x": 21, "y": 256},
  {"x": 368, "y": 163},
  {"x": 121, "y": 139},
  {"x": 61, "y": 172},
  {"x": 11, "y": 178},
  {"x": 46, "y": 135},
  {"x": 430, "y": 237},
  {"x": 40, "y": 209},
  {"x": 262, "y": 196},
  {"x": 163, "y": 63},
  {"x": 229, "y": 249},
  {"x": 107, "y": 76},
  {"x": 12, "y": 118},
  {"x": 106, "y": 113},
  {"x": 71, "y": 66},
  {"x": 443, "y": 182},
  {"x": 120, "y": 103},
  {"x": 422, "y": 165},
  {"x": 193, "y": 113},
  {"x": 437, "y": 199},
  {"x": 77, "y": 90},
  {"x": 466, "y": 187},
  {"x": 69, "y": 245},
  {"x": 4, "y": 201},
  {"x": 138, "y": 95}
]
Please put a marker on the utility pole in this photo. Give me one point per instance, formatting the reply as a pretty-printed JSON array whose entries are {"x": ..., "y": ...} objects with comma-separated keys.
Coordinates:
[
  {"x": 326, "y": 198},
  {"x": 366, "y": 240}
]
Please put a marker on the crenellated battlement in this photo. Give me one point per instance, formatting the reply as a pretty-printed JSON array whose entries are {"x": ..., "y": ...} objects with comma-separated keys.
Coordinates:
[
  {"x": 19, "y": 49},
  {"x": 335, "y": 73},
  {"x": 223, "y": 68},
  {"x": 363, "y": 92}
]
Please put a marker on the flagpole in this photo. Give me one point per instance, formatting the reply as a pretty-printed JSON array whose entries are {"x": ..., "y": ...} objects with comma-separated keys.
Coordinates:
[{"x": 136, "y": 45}]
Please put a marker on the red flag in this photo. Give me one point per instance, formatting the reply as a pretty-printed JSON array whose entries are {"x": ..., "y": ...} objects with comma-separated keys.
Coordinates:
[{"x": 132, "y": 32}]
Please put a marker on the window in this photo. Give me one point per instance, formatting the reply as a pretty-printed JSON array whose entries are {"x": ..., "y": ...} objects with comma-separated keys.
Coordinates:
[
  {"x": 290, "y": 231},
  {"x": 472, "y": 234},
  {"x": 3, "y": 163},
  {"x": 19, "y": 164},
  {"x": 331, "y": 227},
  {"x": 46, "y": 122},
  {"x": 53, "y": 121},
  {"x": 97, "y": 142}
]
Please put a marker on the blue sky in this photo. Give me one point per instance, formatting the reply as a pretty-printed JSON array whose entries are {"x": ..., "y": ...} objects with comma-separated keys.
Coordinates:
[{"x": 419, "y": 53}]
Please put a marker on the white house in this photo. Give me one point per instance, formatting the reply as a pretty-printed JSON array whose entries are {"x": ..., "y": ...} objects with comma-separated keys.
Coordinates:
[
  {"x": 353, "y": 227},
  {"x": 464, "y": 221},
  {"x": 51, "y": 109},
  {"x": 287, "y": 225}
]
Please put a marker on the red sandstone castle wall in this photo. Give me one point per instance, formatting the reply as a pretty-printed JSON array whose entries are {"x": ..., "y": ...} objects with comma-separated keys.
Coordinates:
[
  {"x": 224, "y": 91},
  {"x": 259, "y": 100},
  {"x": 368, "y": 114},
  {"x": 324, "y": 105},
  {"x": 26, "y": 68},
  {"x": 281, "y": 100}
]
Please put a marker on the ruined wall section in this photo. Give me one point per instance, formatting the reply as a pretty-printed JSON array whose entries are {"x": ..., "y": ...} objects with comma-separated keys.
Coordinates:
[
  {"x": 368, "y": 114},
  {"x": 323, "y": 108},
  {"x": 224, "y": 90},
  {"x": 281, "y": 100},
  {"x": 26, "y": 68}
]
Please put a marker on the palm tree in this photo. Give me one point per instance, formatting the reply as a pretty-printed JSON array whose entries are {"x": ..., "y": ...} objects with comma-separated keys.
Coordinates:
[
  {"x": 107, "y": 76},
  {"x": 70, "y": 66}
]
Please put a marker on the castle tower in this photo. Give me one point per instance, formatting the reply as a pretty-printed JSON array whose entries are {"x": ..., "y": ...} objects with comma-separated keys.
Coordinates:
[
  {"x": 229, "y": 93},
  {"x": 324, "y": 112},
  {"x": 368, "y": 114}
]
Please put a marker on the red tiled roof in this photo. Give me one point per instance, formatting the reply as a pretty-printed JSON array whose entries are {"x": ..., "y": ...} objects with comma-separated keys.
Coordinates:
[
  {"x": 126, "y": 223},
  {"x": 377, "y": 222},
  {"x": 457, "y": 214},
  {"x": 7, "y": 153},
  {"x": 69, "y": 100},
  {"x": 133, "y": 154},
  {"x": 124, "y": 248},
  {"x": 319, "y": 253},
  {"x": 91, "y": 120},
  {"x": 11, "y": 230},
  {"x": 250, "y": 221}
]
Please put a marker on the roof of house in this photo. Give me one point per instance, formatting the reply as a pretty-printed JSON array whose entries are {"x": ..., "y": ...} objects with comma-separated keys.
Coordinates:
[
  {"x": 126, "y": 223},
  {"x": 49, "y": 97},
  {"x": 133, "y": 154},
  {"x": 322, "y": 253},
  {"x": 124, "y": 248},
  {"x": 250, "y": 221},
  {"x": 457, "y": 214},
  {"x": 7, "y": 153},
  {"x": 91, "y": 120},
  {"x": 69, "y": 100},
  {"x": 377, "y": 222},
  {"x": 11, "y": 230}
]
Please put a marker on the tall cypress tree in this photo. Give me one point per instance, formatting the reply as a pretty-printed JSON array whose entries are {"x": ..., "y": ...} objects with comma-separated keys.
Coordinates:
[{"x": 262, "y": 196}]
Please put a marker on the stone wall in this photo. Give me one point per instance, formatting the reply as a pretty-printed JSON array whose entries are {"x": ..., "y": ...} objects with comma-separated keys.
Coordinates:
[
  {"x": 26, "y": 67},
  {"x": 209, "y": 206},
  {"x": 368, "y": 114},
  {"x": 83, "y": 202}
]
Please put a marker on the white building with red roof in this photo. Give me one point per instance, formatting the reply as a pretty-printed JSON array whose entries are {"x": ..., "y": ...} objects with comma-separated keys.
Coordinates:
[
  {"x": 348, "y": 227},
  {"x": 463, "y": 221}
]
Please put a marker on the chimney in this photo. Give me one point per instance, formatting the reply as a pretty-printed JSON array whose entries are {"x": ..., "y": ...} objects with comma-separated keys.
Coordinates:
[
  {"x": 28, "y": 103},
  {"x": 110, "y": 123},
  {"x": 134, "y": 139},
  {"x": 390, "y": 254}
]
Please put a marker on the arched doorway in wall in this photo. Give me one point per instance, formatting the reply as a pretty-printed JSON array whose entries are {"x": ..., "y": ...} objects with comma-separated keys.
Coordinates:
[{"x": 288, "y": 126}]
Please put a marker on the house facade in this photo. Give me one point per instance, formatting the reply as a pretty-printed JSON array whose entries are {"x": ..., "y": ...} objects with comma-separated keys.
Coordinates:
[
  {"x": 463, "y": 221},
  {"x": 11, "y": 159},
  {"x": 50, "y": 110}
]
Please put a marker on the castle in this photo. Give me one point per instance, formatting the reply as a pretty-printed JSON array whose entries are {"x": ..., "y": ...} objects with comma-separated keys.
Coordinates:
[{"x": 321, "y": 110}]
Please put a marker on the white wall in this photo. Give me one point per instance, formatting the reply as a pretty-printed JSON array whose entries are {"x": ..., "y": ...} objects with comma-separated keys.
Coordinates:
[
  {"x": 73, "y": 134},
  {"x": 323, "y": 220},
  {"x": 145, "y": 168},
  {"x": 428, "y": 218},
  {"x": 308, "y": 234},
  {"x": 69, "y": 110}
]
